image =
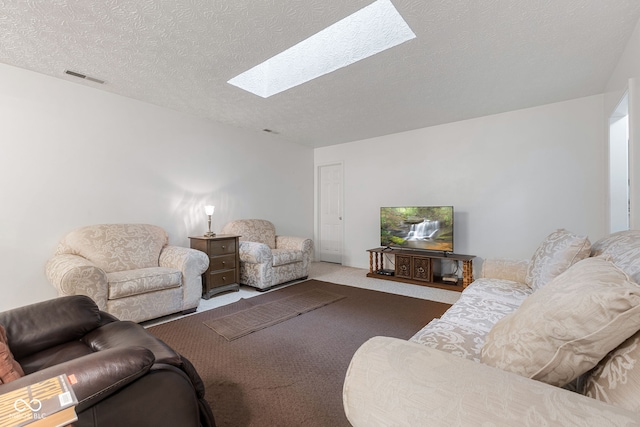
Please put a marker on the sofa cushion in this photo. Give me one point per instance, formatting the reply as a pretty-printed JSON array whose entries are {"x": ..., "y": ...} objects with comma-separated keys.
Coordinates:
[
  {"x": 559, "y": 251},
  {"x": 116, "y": 247},
  {"x": 133, "y": 282},
  {"x": 452, "y": 338},
  {"x": 616, "y": 378},
  {"x": 286, "y": 256},
  {"x": 478, "y": 311},
  {"x": 10, "y": 369},
  {"x": 563, "y": 329},
  {"x": 506, "y": 291},
  {"x": 461, "y": 330}
]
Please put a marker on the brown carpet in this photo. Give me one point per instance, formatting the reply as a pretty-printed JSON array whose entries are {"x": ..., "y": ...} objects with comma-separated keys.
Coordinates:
[
  {"x": 262, "y": 316},
  {"x": 291, "y": 373}
]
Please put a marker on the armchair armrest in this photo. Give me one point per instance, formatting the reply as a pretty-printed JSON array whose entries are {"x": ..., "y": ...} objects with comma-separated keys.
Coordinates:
[
  {"x": 291, "y": 242},
  {"x": 505, "y": 269},
  {"x": 98, "y": 375},
  {"x": 190, "y": 261},
  {"x": 396, "y": 382},
  {"x": 297, "y": 243},
  {"x": 255, "y": 253},
  {"x": 125, "y": 334},
  {"x": 45, "y": 324},
  {"x": 75, "y": 275}
]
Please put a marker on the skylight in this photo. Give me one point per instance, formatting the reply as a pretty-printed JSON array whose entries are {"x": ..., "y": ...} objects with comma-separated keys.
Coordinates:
[{"x": 370, "y": 30}]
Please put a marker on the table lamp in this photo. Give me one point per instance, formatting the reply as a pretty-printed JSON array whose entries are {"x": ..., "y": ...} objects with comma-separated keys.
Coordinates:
[{"x": 209, "y": 211}]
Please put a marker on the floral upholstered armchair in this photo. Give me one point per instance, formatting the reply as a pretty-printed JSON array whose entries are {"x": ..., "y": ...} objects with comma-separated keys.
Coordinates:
[
  {"x": 129, "y": 270},
  {"x": 266, "y": 259}
]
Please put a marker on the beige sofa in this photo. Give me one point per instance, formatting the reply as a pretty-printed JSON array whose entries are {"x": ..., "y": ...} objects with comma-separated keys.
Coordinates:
[
  {"x": 129, "y": 270},
  {"x": 266, "y": 259},
  {"x": 554, "y": 340}
]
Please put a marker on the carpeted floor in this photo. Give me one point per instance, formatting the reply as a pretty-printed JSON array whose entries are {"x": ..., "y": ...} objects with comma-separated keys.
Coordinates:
[
  {"x": 241, "y": 323},
  {"x": 291, "y": 373}
]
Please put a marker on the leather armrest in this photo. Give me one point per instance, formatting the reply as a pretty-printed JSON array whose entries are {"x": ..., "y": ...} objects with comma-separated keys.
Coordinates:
[
  {"x": 395, "y": 382},
  {"x": 38, "y": 326},
  {"x": 75, "y": 275},
  {"x": 97, "y": 375},
  {"x": 125, "y": 334},
  {"x": 255, "y": 253},
  {"x": 107, "y": 318}
]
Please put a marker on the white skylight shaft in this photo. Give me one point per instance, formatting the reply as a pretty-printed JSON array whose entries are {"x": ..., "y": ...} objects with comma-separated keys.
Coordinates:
[{"x": 371, "y": 30}]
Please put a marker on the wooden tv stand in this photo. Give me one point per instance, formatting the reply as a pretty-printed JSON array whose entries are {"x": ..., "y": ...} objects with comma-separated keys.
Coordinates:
[{"x": 420, "y": 267}]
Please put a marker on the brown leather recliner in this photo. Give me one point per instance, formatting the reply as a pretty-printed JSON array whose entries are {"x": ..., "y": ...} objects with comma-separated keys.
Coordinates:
[{"x": 125, "y": 376}]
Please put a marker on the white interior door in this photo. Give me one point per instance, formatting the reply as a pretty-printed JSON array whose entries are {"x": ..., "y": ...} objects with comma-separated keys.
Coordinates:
[{"x": 330, "y": 184}]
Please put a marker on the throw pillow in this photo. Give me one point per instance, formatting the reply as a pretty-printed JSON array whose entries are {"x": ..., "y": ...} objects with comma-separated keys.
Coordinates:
[
  {"x": 564, "y": 329},
  {"x": 10, "y": 369},
  {"x": 559, "y": 251},
  {"x": 616, "y": 379}
]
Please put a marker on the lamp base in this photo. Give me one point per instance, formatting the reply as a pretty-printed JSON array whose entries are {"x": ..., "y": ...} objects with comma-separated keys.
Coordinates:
[{"x": 209, "y": 234}]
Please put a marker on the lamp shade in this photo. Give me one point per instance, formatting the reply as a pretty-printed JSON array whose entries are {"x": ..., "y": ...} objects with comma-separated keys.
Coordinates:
[{"x": 209, "y": 209}]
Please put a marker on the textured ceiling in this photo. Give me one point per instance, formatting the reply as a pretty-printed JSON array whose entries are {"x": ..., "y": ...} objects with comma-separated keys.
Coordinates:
[{"x": 469, "y": 59}]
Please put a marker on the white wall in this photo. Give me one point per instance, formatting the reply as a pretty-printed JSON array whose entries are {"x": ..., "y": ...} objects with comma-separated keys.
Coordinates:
[
  {"x": 627, "y": 67},
  {"x": 72, "y": 155},
  {"x": 512, "y": 178},
  {"x": 626, "y": 78}
]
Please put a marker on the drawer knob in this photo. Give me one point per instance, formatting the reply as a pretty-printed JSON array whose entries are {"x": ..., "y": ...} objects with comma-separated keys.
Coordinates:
[{"x": 224, "y": 247}]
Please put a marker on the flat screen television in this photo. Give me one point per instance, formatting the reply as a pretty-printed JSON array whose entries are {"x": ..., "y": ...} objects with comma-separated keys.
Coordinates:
[{"x": 417, "y": 227}]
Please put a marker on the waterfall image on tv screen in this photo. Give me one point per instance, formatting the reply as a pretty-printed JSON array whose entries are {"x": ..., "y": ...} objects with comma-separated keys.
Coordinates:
[{"x": 417, "y": 227}]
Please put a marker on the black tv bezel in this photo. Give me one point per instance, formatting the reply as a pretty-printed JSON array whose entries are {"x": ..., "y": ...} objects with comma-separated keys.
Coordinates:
[{"x": 419, "y": 249}]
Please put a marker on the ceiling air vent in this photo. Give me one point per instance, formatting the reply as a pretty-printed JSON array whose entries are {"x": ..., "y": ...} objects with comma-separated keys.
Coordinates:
[{"x": 82, "y": 76}]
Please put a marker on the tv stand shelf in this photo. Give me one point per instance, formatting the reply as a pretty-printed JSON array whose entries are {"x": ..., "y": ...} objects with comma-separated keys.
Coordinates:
[{"x": 420, "y": 267}]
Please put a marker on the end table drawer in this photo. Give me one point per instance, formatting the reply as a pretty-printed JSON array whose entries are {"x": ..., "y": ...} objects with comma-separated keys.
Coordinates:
[
  {"x": 222, "y": 262},
  {"x": 221, "y": 278},
  {"x": 222, "y": 247}
]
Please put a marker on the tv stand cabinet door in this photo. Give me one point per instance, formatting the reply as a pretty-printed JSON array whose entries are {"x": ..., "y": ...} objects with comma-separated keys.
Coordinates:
[
  {"x": 403, "y": 266},
  {"x": 422, "y": 269}
]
